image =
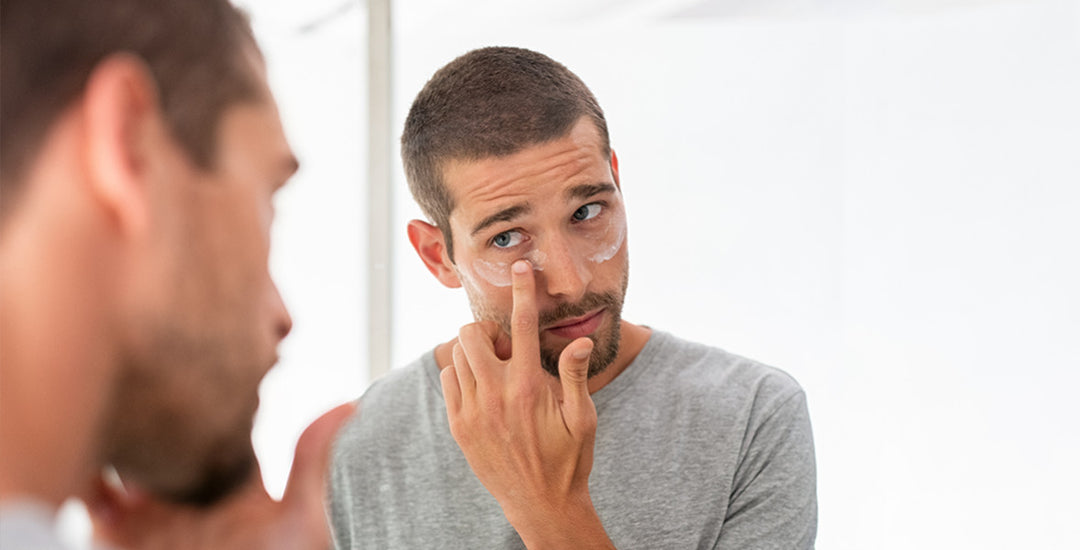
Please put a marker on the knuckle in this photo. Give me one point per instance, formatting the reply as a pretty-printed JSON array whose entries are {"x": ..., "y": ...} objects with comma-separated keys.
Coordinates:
[
  {"x": 486, "y": 326},
  {"x": 447, "y": 374},
  {"x": 523, "y": 394},
  {"x": 492, "y": 406},
  {"x": 467, "y": 331},
  {"x": 525, "y": 322},
  {"x": 584, "y": 424},
  {"x": 490, "y": 329},
  {"x": 573, "y": 375},
  {"x": 458, "y": 429}
]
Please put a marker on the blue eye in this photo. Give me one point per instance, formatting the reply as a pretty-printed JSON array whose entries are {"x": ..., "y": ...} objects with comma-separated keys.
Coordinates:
[
  {"x": 587, "y": 212},
  {"x": 507, "y": 239}
]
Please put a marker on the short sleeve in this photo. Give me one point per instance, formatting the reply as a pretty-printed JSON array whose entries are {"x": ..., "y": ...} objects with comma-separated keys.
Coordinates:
[{"x": 773, "y": 503}]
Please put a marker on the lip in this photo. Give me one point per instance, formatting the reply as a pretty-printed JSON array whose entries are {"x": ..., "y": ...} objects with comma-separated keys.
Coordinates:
[{"x": 578, "y": 326}]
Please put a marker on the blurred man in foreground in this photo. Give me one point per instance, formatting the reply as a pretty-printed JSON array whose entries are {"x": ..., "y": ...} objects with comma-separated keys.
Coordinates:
[{"x": 141, "y": 149}]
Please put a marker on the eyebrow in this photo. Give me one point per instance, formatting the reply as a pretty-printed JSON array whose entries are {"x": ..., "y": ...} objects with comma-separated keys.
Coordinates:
[
  {"x": 587, "y": 190},
  {"x": 504, "y": 215},
  {"x": 582, "y": 191}
]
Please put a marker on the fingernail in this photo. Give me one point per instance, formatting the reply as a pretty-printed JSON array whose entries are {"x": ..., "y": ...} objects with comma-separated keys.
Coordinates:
[
  {"x": 582, "y": 353},
  {"x": 521, "y": 266}
]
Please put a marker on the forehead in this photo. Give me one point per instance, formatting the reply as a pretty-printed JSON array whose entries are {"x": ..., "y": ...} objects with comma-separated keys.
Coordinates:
[{"x": 536, "y": 173}]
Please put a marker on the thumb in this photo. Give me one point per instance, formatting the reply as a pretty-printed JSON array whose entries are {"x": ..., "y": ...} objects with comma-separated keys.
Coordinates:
[
  {"x": 574, "y": 378},
  {"x": 312, "y": 459}
]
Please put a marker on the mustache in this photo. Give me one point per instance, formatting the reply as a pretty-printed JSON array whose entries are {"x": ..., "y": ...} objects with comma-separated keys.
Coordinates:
[{"x": 589, "y": 302}]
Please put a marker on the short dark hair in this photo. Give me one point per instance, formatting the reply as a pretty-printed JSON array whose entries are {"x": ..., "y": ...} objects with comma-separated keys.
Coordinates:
[
  {"x": 490, "y": 102},
  {"x": 199, "y": 52}
]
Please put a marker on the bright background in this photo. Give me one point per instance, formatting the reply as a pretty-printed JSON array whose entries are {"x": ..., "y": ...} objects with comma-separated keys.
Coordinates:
[{"x": 880, "y": 197}]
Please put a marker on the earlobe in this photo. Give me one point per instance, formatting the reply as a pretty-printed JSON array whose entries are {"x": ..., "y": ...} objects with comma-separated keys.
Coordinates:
[
  {"x": 123, "y": 122},
  {"x": 427, "y": 240}
]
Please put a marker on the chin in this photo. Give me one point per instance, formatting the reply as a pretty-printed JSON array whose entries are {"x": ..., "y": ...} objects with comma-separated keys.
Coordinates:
[
  {"x": 218, "y": 479},
  {"x": 227, "y": 465}
]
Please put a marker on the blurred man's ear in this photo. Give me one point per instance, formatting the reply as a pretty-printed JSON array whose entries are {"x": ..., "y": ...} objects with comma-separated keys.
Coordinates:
[
  {"x": 124, "y": 132},
  {"x": 431, "y": 247},
  {"x": 615, "y": 168}
]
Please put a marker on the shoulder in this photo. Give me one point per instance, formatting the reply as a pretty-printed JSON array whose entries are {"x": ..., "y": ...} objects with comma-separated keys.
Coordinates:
[
  {"x": 692, "y": 368},
  {"x": 390, "y": 407}
]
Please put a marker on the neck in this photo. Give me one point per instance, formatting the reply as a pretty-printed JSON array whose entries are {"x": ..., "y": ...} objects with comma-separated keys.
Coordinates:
[
  {"x": 632, "y": 338},
  {"x": 53, "y": 357}
]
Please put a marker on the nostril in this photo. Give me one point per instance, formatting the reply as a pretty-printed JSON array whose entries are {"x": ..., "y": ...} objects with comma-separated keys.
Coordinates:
[
  {"x": 284, "y": 324},
  {"x": 283, "y": 330}
]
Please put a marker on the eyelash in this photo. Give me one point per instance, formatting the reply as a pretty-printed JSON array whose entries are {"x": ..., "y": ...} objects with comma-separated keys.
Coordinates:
[{"x": 602, "y": 204}]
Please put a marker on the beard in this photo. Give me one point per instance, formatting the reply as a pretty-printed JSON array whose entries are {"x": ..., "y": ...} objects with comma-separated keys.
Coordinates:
[
  {"x": 180, "y": 424},
  {"x": 220, "y": 476},
  {"x": 606, "y": 340}
]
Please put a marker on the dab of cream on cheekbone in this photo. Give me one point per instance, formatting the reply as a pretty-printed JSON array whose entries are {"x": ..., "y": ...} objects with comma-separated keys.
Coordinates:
[{"x": 596, "y": 248}]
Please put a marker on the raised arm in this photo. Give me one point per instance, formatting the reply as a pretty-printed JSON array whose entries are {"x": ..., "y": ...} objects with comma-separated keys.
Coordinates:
[{"x": 527, "y": 437}]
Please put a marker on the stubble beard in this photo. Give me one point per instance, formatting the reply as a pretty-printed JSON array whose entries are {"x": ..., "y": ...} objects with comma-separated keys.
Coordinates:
[{"x": 605, "y": 344}]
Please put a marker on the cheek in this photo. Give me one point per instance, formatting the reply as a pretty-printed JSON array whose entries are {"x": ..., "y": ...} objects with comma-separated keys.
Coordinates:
[
  {"x": 497, "y": 274},
  {"x": 484, "y": 297},
  {"x": 607, "y": 241}
]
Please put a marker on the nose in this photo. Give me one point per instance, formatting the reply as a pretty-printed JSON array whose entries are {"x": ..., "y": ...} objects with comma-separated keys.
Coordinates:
[
  {"x": 564, "y": 273},
  {"x": 279, "y": 313}
]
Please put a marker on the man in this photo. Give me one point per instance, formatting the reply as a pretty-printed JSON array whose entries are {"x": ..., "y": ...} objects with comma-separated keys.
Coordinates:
[
  {"x": 140, "y": 150},
  {"x": 551, "y": 422}
]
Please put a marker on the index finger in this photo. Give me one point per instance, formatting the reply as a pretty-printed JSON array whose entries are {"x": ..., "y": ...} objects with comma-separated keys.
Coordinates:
[{"x": 524, "y": 329}]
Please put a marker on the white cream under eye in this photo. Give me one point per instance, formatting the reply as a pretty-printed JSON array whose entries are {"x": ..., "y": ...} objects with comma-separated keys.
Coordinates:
[{"x": 596, "y": 245}]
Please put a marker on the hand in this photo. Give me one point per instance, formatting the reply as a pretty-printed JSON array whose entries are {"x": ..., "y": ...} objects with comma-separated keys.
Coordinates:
[
  {"x": 247, "y": 519},
  {"x": 527, "y": 437}
]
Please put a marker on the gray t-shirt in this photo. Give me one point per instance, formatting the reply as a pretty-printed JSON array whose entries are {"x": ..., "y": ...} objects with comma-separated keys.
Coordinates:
[{"x": 695, "y": 448}]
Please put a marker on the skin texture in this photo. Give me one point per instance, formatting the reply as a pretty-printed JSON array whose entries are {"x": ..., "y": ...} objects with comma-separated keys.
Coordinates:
[
  {"x": 528, "y": 436},
  {"x": 138, "y": 318}
]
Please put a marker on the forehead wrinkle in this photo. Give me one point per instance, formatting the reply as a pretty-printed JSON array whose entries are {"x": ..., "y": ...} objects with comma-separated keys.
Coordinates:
[
  {"x": 518, "y": 183},
  {"x": 504, "y": 215},
  {"x": 483, "y": 188}
]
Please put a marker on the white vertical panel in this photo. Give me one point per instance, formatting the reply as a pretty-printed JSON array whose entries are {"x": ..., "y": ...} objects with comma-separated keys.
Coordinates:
[{"x": 380, "y": 320}]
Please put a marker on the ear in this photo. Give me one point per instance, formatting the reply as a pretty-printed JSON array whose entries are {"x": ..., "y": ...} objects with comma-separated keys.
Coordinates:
[
  {"x": 124, "y": 128},
  {"x": 615, "y": 168},
  {"x": 431, "y": 247}
]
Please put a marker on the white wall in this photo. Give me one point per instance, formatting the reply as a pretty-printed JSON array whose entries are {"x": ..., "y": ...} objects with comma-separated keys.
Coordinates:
[{"x": 316, "y": 54}]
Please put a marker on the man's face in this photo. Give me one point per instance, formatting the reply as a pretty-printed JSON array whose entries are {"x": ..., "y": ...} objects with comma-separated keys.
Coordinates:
[
  {"x": 207, "y": 324},
  {"x": 559, "y": 206}
]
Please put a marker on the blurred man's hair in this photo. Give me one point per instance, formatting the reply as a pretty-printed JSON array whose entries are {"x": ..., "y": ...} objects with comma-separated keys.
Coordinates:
[
  {"x": 490, "y": 102},
  {"x": 200, "y": 53}
]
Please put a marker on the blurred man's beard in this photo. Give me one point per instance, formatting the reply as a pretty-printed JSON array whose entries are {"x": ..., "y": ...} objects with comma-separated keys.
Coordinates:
[
  {"x": 219, "y": 479},
  {"x": 180, "y": 423},
  {"x": 163, "y": 457},
  {"x": 158, "y": 464}
]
